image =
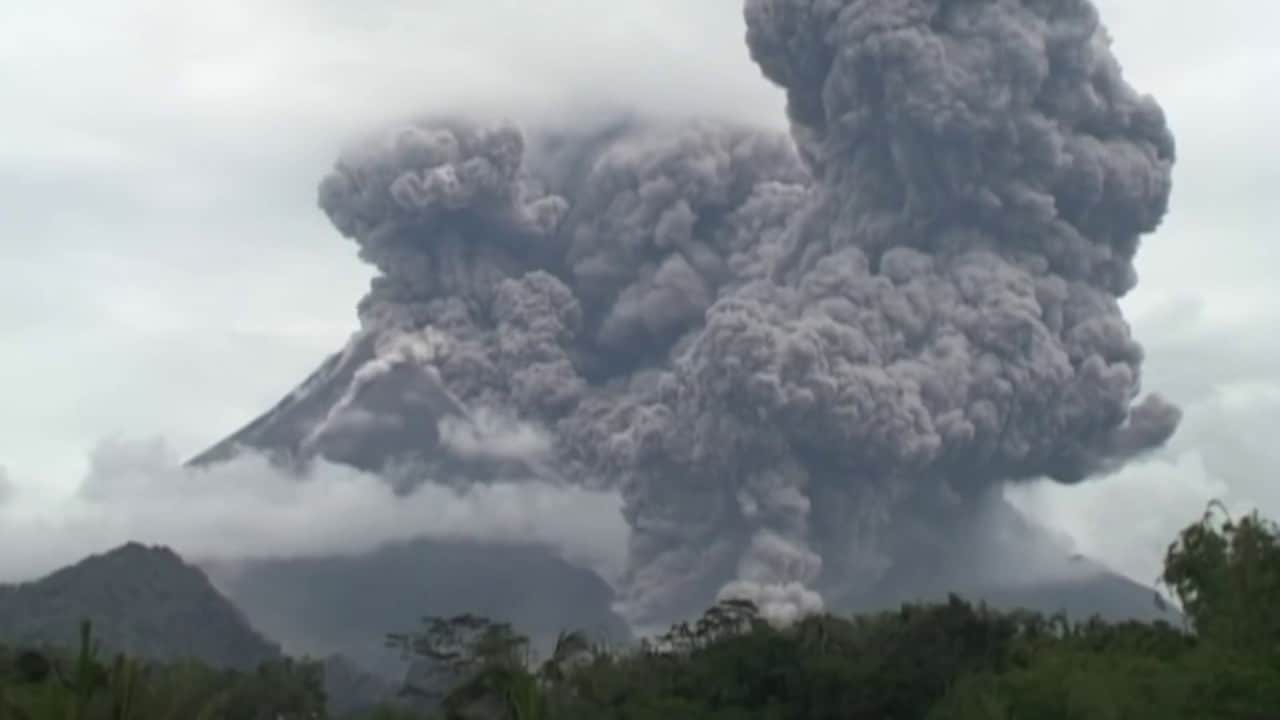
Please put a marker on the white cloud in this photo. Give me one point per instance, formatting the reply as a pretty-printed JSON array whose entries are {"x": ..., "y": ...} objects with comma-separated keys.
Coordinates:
[
  {"x": 490, "y": 434},
  {"x": 1127, "y": 520},
  {"x": 248, "y": 509}
]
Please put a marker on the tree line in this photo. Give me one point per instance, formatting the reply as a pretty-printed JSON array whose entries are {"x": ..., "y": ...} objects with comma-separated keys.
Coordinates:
[{"x": 945, "y": 661}]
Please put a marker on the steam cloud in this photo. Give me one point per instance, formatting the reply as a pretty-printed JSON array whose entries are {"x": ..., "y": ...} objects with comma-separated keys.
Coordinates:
[
  {"x": 784, "y": 350},
  {"x": 249, "y": 509}
]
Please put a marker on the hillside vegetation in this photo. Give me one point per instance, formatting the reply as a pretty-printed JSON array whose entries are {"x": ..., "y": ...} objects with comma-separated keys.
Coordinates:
[{"x": 949, "y": 661}]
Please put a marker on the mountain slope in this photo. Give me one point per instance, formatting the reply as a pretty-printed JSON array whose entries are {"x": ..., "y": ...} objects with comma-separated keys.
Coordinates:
[
  {"x": 348, "y": 604},
  {"x": 144, "y": 601},
  {"x": 1003, "y": 558},
  {"x": 367, "y": 408}
]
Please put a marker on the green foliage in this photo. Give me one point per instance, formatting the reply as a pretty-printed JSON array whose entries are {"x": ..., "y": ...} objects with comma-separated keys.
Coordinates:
[
  {"x": 47, "y": 685},
  {"x": 1226, "y": 574},
  {"x": 958, "y": 661},
  {"x": 891, "y": 665},
  {"x": 487, "y": 668}
]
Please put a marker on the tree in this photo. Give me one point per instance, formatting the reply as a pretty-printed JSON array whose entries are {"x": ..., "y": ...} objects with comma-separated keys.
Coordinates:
[
  {"x": 1226, "y": 575},
  {"x": 483, "y": 667},
  {"x": 49, "y": 685}
]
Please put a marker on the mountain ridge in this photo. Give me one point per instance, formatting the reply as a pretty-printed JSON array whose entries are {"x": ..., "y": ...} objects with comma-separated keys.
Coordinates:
[{"x": 144, "y": 601}]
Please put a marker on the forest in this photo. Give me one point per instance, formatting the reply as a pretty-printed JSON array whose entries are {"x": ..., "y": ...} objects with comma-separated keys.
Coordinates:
[{"x": 953, "y": 660}]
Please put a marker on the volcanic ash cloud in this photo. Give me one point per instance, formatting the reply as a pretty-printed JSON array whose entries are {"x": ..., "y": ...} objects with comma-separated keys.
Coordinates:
[{"x": 780, "y": 348}]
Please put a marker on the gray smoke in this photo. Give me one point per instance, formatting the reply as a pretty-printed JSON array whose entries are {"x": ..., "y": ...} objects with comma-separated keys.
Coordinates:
[{"x": 783, "y": 351}]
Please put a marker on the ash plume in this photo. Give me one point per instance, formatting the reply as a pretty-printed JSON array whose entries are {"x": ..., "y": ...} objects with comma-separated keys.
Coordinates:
[{"x": 793, "y": 355}]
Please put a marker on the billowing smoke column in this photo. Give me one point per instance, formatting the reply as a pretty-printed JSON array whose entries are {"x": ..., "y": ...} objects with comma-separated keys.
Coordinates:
[{"x": 781, "y": 350}]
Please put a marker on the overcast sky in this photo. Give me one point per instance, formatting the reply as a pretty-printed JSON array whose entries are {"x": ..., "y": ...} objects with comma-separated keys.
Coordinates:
[{"x": 164, "y": 269}]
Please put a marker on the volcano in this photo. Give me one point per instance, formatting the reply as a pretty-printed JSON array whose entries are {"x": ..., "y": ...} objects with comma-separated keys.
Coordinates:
[{"x": 808, "y": 363}]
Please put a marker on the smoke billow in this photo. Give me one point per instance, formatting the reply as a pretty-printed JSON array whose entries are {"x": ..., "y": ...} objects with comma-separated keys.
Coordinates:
[{"x": 792, "y": 355}]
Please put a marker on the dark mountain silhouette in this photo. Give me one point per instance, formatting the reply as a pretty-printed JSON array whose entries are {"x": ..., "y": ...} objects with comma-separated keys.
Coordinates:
[
  {"x": 147, "y": 602},
  {"x": 143, "y": 601}
]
